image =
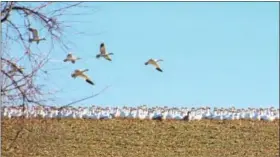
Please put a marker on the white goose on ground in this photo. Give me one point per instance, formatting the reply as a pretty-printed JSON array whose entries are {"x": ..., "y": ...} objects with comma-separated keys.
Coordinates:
[{"x": 207, "y": 114}]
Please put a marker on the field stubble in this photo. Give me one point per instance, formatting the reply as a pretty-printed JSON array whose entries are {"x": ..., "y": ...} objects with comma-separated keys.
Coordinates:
[{"x": 103, "y": 138}]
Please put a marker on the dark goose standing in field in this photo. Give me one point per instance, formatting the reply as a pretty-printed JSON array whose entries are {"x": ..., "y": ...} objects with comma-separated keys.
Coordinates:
[
  {"x": 187, "y": 117},
  {"x": 154, "y": 62},
  {"x": 104, "y": 53},
  {"x": 80, "y": 73}
]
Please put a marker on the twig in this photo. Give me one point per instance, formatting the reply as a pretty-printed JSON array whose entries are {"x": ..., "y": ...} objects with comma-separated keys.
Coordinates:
[{"x": 92, "y": 96}]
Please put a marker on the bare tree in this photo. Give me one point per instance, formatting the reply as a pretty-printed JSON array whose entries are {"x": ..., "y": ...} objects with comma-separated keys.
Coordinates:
[{"x": 28, "y": 25}]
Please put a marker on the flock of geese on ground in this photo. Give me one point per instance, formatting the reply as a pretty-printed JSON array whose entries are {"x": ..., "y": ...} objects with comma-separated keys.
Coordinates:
[
  {"x": 73, "y": 59},
  {"x": 143, "y": 112}
]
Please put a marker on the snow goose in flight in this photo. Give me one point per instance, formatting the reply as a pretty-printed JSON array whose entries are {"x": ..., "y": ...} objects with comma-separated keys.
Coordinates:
[
  {"x": 16, "y": 68},
  {"x": 35, "y": 36},
  {"x": 154, "y": 62},
  {"x": 104, "y": 53},
  {"x": 80, "y": 73},
  {"x": 71, "y": 58}
]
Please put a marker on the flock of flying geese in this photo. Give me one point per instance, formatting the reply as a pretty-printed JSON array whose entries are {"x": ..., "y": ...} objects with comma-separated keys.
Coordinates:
[
  {"x": 102, "y": 53},
  {"x": 73, "y": 59}
]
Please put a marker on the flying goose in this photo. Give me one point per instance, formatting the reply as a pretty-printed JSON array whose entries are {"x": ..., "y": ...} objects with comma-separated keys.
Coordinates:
[
  {"x": 80, "y": 73},
  {"x": 35, "y": 36},
  {"x": 16, "y": 68},
  {"x": 154, "y": 62},
  {"x": 71, "y": 58},
  {"x": 103, "y": 53}
]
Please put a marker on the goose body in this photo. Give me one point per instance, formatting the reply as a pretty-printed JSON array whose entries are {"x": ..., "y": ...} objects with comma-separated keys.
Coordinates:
[
  {"x": 35, "y": 36},
  {"x": 141, "y": 114},
  {"x": 197, "y": 117},
  {"x": 187, "y": 117},
  {"x": 71, "y": 58},
  {"x": 268, "y": 118},
  {"x": 257, "y": 116},
  {"x": 80, "y": 73},
  {"x": 117, "y": 113},
  {"x": 16, "y": 68},
  {"x": 154, "y": 62},
  {"x": 169, "y": 116},
  {"x": 150, "y": 115},
  {"x": 207, "y": 115},
  {"x": 104, "y": 53}
]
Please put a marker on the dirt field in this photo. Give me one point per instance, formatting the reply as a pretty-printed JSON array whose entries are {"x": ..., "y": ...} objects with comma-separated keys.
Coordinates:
[{"x": 127, "y": 138}]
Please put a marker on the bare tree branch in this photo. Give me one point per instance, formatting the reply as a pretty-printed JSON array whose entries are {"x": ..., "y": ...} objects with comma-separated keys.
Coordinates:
[
  {"x": 22, "y": 87},
  {"x": 15, "y": 86},
  {"x": 92, "y": 96},
  {"x": 6, "y": 11}
]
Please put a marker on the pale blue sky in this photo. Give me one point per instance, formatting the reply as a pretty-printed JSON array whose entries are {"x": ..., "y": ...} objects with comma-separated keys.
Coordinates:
[{"x": 215, "y": 54}]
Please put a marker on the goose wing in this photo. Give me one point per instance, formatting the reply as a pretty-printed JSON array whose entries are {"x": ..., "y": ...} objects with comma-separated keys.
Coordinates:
[
  {"x": 68, "y": 58},
  {"x": 20, "y": 70},
  {"x": 158, "y": 60},
  {"x": 88, "y": 80},
  {"x": 154, "y": 63},
  {"x": 108, "y": 58},
  {"x": 14, "y": 65},
  {"x": 102, "y": 48},
  {"x": 84, "y": 76},
  {"x": 17, "y": 68}
]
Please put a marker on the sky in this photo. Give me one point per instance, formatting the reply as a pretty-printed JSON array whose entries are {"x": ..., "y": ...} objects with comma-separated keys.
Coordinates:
[{"x": 215, "y": 54}]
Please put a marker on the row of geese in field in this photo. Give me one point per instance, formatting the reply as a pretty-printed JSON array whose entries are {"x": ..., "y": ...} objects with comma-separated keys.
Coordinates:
[
  {"x": 73, "y": 59},
  {"x": 143, "y": 112}
]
